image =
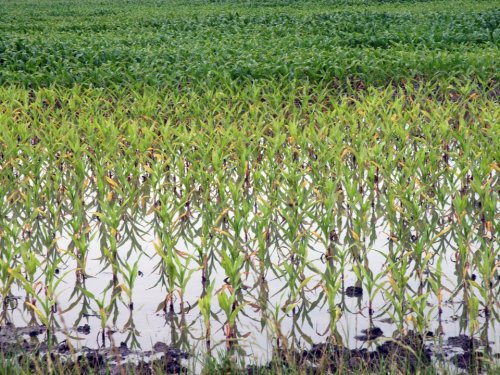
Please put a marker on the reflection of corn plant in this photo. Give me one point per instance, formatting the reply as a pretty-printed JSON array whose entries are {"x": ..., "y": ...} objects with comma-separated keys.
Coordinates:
[
  {"x": 355, "y": 199},
  {"x": 133, "y": 332},
  {"x": 79, "y": 234},
  {"x": 203, "y": 249},
  {"x": 274, "y": 321},
  {"x": 262, "y": 232},
  {"x": 79, "y": 299},
  {"x": 111, "y": 215},
  {"x": 292, "y": 275},
  {"x": 184, "y": 274},
  {"x": 296, "y": 295}
]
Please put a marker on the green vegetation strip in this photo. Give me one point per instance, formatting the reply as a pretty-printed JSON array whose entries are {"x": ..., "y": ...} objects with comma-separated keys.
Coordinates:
[{"x": 163, "y": 43}]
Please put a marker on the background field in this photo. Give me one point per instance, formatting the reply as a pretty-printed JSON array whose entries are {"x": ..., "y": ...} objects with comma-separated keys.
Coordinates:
[{"x": 165, "y": 43}]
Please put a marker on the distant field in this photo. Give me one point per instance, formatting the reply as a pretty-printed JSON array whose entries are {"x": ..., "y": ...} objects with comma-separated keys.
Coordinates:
[
  {"x": 159, "y": 43},
  {"x": 260, "y": 187}
]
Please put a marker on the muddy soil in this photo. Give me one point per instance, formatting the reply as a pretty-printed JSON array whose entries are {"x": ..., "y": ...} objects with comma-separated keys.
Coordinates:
[
  {"x": 410, "y": 353},
  {"x": 25, "y": 344}
]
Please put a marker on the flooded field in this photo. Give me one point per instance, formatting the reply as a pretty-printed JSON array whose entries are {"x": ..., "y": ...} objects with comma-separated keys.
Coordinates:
[
  {"x": 245, "y": 237},
  {"x": 307, "y": 187}
]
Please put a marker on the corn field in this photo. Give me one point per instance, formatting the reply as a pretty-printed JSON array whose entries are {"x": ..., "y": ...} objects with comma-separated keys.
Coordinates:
[{"x": 251, "y": 180}]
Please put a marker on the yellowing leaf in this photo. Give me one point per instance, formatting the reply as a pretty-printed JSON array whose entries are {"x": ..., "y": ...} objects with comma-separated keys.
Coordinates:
[
  {"x": 111, "y": 182},
  {"x": 148, "y": 169},
  {"x": 444, "y": 231},
  {"x": 221, "y": 231},
  {"x": 345, "y": 152}
]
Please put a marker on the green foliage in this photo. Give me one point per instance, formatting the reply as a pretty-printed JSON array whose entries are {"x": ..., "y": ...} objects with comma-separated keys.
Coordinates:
[{"x": 167, "y": 44}]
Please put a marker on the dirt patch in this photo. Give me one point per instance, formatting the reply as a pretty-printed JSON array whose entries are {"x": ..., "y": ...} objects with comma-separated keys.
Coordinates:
[{"x": 24, "y": 345}]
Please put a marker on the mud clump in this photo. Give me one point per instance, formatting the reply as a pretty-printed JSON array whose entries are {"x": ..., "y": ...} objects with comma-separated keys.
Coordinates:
[
  {"x": 464, "y": 342},
  {"x": 410, "y": 351},
  {"x": 354, "y": 291},
  {"x": 15, "y": 339},
  {"x": 370, "y": 334},
  {"x": 471, "y": 359},
  {"x": 85, "y": 329}
]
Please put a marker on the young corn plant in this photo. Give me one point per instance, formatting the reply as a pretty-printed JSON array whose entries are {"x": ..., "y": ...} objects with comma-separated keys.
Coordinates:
[
  {"x": 105, "y": 307},
  {"x": 332, "y": 282},
  {"x": 205, "y": 306},
  {"x": 372, "y": 284},
  {"x": 227, "y": 299}
]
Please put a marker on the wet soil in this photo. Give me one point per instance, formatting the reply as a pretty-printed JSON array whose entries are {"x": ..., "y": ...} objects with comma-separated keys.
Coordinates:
[
  {"x": 23, "y": 344},
  {"x": 471, "y": 359},
  {"x": 410, "y": 353}
]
